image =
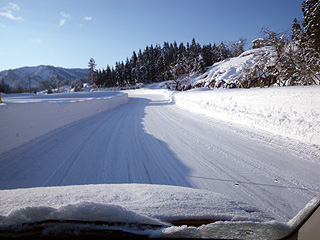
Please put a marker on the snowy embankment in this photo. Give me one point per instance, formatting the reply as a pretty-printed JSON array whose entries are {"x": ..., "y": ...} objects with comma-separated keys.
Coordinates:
[
  {"x": 289, "y": 111},
  {"x": 27, "y": 116}
]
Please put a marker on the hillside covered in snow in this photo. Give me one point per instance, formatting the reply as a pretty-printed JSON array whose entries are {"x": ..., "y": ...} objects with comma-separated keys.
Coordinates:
[
  {"x": 234, "y": 72},
  {"x": 41, "y": 76}
]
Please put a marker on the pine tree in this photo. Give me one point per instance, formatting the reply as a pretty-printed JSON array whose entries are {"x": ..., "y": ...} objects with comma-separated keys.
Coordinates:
[
  {"x": 127, "y": 73},
  {"x": 310, "y": 43},
  {"x": 133, "y": 60},
  {"x": 161, "y": 70},
  {"x": 200, "y": 64},
  {"x": 224, "y": 51},
  {"x": 215, "y": 53},
  {"x": 296, "y": 30},
  {"x": 92, "y": 72},
  {"x": 193, "y": 49},
  {"x": 100, "y": 79},
  {"x": 311, "y": 23},
  {"x": 119, "y": 74},
  {"x": 206, "y": 54},
  {"x": 237, "y": 47},
  {"x": 5, "y": 88},
  {"x": 108, "y": 77}
]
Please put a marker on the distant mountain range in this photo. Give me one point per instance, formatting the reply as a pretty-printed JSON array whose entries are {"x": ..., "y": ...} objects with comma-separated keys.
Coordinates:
[{"x": 41, "y": 75}]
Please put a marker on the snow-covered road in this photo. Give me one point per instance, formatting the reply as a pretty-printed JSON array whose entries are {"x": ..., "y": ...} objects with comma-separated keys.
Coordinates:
[{"x": 151, "y": 140}]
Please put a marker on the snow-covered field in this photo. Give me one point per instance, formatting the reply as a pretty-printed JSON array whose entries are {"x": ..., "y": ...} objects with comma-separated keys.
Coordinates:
[
  {"x": 27, "y": 116},
  {"x": 164, "y": 156}
]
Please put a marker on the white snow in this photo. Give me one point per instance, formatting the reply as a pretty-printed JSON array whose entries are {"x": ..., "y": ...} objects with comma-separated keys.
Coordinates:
[
  {"x": 27, "y": 116},
  {"x": 288, "y": 111},
  {"x": 152, "y": 161},
  {"x": 227, "y": 230},
  {"x": 230, "y": 70},
  {"x": 142, "y": 204},
  {"x": 242, "y": 229},
  {"x": 135, "y": 203}
]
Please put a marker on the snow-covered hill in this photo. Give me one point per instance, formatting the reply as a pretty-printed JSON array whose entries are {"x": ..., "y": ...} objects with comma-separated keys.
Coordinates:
[
  {"x": 20, "y": 76},
  {"x": 231, "y": 71}
]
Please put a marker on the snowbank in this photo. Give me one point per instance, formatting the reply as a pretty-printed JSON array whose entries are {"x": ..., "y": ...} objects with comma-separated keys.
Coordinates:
[
  {"x": 27, "y": 116},
  {"x": 289, "y": 111}
]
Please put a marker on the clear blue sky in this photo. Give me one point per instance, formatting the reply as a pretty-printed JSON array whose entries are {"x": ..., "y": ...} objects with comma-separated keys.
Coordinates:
[{"x": 68, "y": 33}]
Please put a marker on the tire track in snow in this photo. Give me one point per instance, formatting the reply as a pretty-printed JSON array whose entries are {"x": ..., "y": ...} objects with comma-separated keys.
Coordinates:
[
  {"x": 111, "y": 147},
  {"x": 150, "y": 141},
  {"x": 69, "y": 164},
  {"x": 223, "y": 169},
  {"x": 247, "y": 167}
]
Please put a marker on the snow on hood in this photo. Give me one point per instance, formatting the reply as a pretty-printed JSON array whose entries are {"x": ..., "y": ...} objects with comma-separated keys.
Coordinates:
[
  {"x": 83, "y": 211},
  {"x": 241, "y": 229},
  {"x": 133, "y": 203},
  {"x": 144, "y": 204}
]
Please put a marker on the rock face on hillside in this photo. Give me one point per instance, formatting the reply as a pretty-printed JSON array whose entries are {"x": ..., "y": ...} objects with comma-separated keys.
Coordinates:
[{"x": 40, "y": 76}]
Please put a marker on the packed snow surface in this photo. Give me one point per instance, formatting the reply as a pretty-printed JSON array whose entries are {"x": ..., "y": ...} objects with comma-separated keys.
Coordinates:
[
  {"x": 27, "y": 116},
  {"x": 201, "y": 161}
]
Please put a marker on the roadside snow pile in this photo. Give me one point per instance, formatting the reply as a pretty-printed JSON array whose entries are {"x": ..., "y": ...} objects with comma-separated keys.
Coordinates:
[
  {"x": 230, "y": 71},
  {"x": 289, "y": 111},
  {"x": 129, "y": 203},
  {"x": 27, "y": 116}
]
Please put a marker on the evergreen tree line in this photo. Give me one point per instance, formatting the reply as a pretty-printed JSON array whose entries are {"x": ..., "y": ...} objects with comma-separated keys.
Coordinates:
[
  {"x": 297, "y": 59},
  {"x": 157, "y": 64},
  {"x": 6, "y": 88}
]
